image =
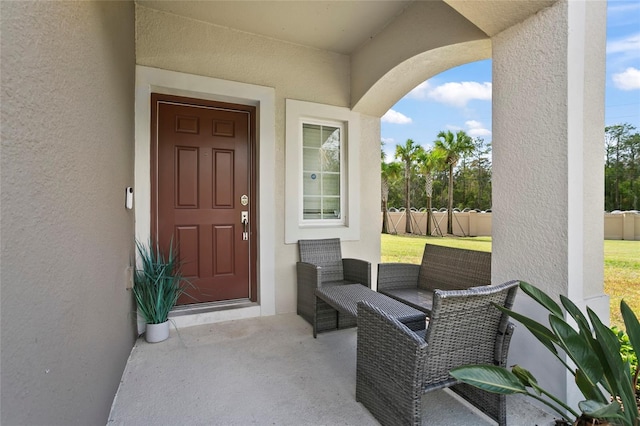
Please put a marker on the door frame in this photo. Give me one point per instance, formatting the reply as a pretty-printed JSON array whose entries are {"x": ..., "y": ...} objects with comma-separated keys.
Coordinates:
[
  {"x": 251, "y": 170},
  {"x": 150, "y": 80}
]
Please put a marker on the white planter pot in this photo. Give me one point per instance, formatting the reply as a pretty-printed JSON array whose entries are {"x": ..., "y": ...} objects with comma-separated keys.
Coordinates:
[{"x": 157, "y": 332}]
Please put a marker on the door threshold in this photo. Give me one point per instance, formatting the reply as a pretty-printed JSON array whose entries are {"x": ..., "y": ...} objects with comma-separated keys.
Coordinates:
[
  {"x": 200, "y": 308},
  {"x": 212, "y": 312}
]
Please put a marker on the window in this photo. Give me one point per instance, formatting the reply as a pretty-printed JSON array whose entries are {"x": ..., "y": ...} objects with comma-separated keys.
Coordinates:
[
  {"x": 322, "y": 188},
  {"x": 321, "y": 171}
]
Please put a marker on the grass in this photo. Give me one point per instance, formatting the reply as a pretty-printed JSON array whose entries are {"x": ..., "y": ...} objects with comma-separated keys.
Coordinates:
[
  {"x": 621, "y": 264},
  {"x": 622, "y": 276}
]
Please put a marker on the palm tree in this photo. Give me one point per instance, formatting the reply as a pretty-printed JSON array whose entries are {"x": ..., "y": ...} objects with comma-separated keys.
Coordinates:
[
  {"x": 430, "y": 162},
  {"x": 453, "y": 148},
  {"x": 390, "y": 172},
  {"x": 407, "y": 153}
]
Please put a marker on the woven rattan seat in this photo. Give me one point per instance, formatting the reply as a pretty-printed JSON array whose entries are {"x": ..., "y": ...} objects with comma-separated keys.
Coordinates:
[{"x": 345, "y": 298}]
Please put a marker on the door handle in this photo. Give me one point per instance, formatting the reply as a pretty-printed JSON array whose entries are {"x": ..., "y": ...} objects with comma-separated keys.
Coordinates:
[{"x": 244, "y": 219}]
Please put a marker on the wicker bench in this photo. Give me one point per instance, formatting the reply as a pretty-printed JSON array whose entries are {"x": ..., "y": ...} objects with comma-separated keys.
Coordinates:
[
  {"x": 442, "y": 268},
  {"x": 344, "y": 299}
]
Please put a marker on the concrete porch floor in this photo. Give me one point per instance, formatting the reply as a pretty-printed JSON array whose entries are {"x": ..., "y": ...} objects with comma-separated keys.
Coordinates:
[{"x": 263, "y": 371}]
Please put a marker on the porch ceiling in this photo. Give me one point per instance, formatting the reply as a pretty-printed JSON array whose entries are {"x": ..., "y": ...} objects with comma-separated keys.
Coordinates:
[
  {"x": 340, "y": 26},
  {"x": 337, "y": 26}
]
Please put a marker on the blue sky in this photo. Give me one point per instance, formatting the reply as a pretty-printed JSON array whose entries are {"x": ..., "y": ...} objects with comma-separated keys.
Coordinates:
[{"x": 460, "y": 98}]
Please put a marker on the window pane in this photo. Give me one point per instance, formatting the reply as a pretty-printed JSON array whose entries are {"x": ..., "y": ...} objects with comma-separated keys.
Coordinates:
[
  {"x": 331, "y": 208},
  {"x": 330, "y": 137},
  {"x": 311, "y": 184},
  {"x": 311, "y": 135},
  {"x": 331, "y": 149},
  {"x": 311, "y": 208},
  {"x": 331, "y": 160},
  {"x": 331, "y": 184},
  {"x": 311, "y": 160}
]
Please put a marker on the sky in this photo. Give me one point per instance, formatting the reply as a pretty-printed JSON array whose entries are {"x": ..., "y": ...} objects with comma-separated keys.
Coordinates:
[{"x": 460, "y": 98}]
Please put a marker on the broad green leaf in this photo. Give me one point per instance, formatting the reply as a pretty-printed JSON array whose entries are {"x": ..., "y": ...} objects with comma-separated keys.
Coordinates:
[
  {"x": 620, "y": 379},
  {"x": 632, "y": 326},
  {"x": 578, "y": 350},
  {"x": 542, "y": 298},
  {"x": 576, "y": 314},
  {"x": 599, "y": 410},
  {"x": 633, "y": 333},
  {"x": 588, "y": 389},
  {"x": 525, "y": 376},
  {"x": 542, "y": 333},
  {"x": 527, "y": 379},
  {"x": 490, "y": 378}
]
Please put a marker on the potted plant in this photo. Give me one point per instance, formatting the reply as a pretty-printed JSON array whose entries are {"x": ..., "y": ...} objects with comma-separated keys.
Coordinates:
[
  {"x": 157, "y": 285},
  {"x": 604, "y": 377}
]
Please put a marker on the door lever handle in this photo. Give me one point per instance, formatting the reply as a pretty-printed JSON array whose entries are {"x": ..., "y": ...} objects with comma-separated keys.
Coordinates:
[{"x": 244, "y": 219}]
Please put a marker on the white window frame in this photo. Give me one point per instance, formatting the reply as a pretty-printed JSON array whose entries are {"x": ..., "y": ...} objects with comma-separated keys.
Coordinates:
[{"x": 348, "y": 226}]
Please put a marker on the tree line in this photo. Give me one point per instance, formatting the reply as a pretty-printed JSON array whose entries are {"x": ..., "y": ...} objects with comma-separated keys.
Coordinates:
[
  {"x": 456, "y": 174},
  {"x": 622, "y": 168}
]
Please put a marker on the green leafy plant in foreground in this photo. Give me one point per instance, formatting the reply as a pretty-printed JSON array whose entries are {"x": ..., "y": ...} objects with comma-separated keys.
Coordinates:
[
  {"x": 604, "y": 378},
  {"x": 627, "y": 352},
  {"x": 158, "y": 283}
]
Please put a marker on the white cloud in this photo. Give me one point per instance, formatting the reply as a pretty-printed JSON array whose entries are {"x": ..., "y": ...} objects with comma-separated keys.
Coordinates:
[
  {"x": 421, "y": 91},
  {"x": 629, "y": 79},
  {"x": 459, "y": 94},
  {"x": 472, "y": 128},
  {"x": 388, "y": 141},
  {"x": 622, "y": 8},
  {"x": 396, "y": 118},
  {"x": 627, "y": 45},
  {"x": 476, "y": 129}
]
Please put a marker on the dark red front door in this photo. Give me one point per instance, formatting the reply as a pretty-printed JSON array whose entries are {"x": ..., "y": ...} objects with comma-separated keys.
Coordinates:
[{"x": 202, "y": 191}]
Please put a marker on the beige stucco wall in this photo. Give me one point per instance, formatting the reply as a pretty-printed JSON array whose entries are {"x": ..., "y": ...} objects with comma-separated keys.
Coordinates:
[
  {"x": 547, "y": 163},
  {"x": 175, "y": 43},
  {"x": 67, "y": 239},
  {"x": 428, "y": 37},
  {"x": 617, "y": 226},
  {"x": 622, "y": 226}
]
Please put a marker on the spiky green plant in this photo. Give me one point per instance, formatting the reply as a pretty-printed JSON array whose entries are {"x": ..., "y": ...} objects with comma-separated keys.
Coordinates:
[
  {"x": 604, "y": 378},
  {"x": 158, "y": 283}
]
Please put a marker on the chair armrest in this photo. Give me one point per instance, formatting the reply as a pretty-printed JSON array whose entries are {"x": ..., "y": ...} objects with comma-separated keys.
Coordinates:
[
  {"x": 357, "y": 271},
  {"x": 502, "y": 345},
  {"x": 389, "y": 367},
  {"x": 386, "y": 336},
  {"x": 397, "y": 275},
  {"x": 309, "y": 275}
]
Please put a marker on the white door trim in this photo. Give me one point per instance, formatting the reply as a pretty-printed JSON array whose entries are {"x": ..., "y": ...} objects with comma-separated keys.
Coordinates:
[{"x": 156, "y": 80}]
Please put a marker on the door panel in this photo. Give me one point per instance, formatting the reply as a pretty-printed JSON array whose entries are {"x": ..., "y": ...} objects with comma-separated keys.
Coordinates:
[{"x": 201, "y": 168}]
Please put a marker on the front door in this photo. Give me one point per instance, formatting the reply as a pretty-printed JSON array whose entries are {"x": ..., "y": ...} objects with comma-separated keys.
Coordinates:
[{"x": 202, "y": 194}]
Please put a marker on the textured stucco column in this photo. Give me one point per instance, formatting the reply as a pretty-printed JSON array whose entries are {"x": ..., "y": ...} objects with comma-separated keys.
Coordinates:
[{"x": 548, "y": 124}]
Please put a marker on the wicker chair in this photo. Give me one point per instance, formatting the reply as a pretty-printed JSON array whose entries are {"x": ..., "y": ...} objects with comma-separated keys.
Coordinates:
[
  {"x": 396, "y": 366},
  {"x": 321, "y": 264}
]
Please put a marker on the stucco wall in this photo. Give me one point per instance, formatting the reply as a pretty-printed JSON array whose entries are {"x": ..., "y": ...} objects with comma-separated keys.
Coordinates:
[
  {"x": 175, "y": 43},
  {"x": 543, "y": 82},
  {"x": 67, "y": 239}
]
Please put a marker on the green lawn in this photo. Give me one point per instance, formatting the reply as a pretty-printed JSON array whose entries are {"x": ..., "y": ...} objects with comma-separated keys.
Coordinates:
[{"x": 621, "y": 263}]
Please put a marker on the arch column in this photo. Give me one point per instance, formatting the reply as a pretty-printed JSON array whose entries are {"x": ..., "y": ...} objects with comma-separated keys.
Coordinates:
[{"x": 548, "y": 172}]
